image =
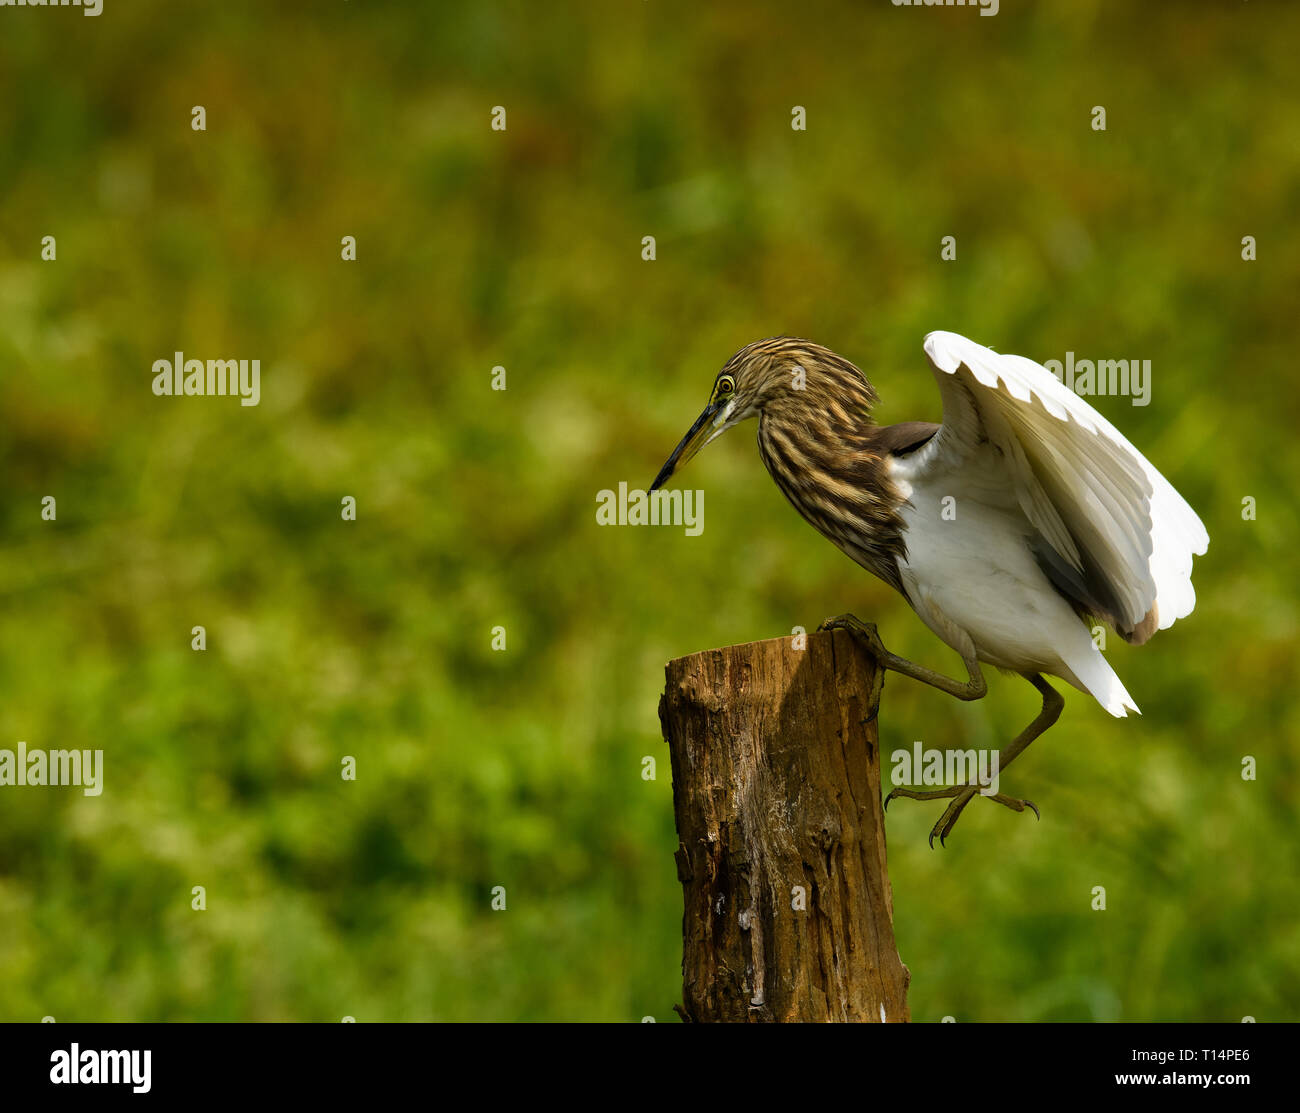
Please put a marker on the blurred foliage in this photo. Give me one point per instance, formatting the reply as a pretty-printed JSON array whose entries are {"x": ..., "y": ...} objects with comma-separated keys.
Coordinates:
[{"x": 522, "y": 248}]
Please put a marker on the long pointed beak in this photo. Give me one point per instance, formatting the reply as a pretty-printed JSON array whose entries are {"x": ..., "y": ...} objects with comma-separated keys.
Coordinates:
[{"x": 699, "y": 435}]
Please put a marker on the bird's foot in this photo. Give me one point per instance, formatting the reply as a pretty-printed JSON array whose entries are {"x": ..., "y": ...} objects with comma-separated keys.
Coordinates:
[
  {"x": 961, "y": 795},
  {"x": 865, "y": 632}
]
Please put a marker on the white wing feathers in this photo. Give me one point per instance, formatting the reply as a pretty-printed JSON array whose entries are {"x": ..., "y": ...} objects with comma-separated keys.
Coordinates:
[{"x": 1115, "y": 521}]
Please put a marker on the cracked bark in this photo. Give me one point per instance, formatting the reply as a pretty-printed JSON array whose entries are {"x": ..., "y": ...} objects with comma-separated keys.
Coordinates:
[{"x": 781, "y": 853}]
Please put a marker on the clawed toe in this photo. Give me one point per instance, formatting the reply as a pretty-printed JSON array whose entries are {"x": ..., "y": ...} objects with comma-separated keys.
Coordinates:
[
  {"x": 1016, "y": 805},
  {"x": 912, "y": 794},
  {"x": 865, "y": 632},
  {"x": 961, "y": 795},
  {"x": 849, "y": 622}
]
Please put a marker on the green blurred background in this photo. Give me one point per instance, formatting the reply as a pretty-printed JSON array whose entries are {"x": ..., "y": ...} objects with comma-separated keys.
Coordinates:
[{"x": 476, "y": 508}]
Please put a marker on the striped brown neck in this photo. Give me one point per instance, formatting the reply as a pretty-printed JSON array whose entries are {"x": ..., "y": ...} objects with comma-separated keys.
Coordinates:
[{"x": 830, "y": 461}]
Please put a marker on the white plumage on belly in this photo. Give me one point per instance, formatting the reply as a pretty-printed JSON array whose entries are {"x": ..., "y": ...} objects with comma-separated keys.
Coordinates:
[{"x": 972, "y": 578}]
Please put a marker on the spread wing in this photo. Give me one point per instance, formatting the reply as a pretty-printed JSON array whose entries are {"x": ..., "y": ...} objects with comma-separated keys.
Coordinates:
[{"x": 1112, "y": 533}]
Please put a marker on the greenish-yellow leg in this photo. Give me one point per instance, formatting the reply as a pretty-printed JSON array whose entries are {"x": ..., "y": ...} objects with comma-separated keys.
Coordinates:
[{"x": 974, "y": 688}]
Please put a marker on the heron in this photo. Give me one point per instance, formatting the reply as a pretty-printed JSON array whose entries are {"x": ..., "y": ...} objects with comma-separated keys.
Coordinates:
[{"x": 1010, "y": 529}]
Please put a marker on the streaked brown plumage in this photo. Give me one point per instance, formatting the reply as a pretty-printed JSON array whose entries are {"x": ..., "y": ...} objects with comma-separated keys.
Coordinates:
[{"x": 822, "y": 449}]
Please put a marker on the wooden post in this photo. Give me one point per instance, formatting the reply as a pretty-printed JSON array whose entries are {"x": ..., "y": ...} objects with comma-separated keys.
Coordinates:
[{"x": 781, "y": 855}]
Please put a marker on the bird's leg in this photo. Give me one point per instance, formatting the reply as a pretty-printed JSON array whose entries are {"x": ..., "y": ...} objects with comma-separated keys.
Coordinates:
[
  {"x": 975, "y": 688},
  {"x": 963, "y": 794}
]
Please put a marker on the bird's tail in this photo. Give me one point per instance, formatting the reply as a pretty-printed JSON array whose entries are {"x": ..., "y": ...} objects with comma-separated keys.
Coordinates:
[{"x": 1092, "y": 674}]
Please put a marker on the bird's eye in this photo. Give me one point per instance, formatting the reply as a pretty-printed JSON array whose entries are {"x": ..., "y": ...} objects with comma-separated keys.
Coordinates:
[{"x": 726, "y": 385}]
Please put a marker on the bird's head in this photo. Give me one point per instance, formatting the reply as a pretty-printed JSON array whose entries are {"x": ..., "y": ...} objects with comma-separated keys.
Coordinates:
[{"x": 784, "y": 374}]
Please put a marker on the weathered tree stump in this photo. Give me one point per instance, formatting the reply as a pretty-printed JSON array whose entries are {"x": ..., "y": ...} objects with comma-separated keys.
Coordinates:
[{"x": 776, "y": 790}]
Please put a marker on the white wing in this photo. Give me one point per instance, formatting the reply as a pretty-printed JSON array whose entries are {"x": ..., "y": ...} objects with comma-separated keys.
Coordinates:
[{"x": 1116, "y": 535}]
